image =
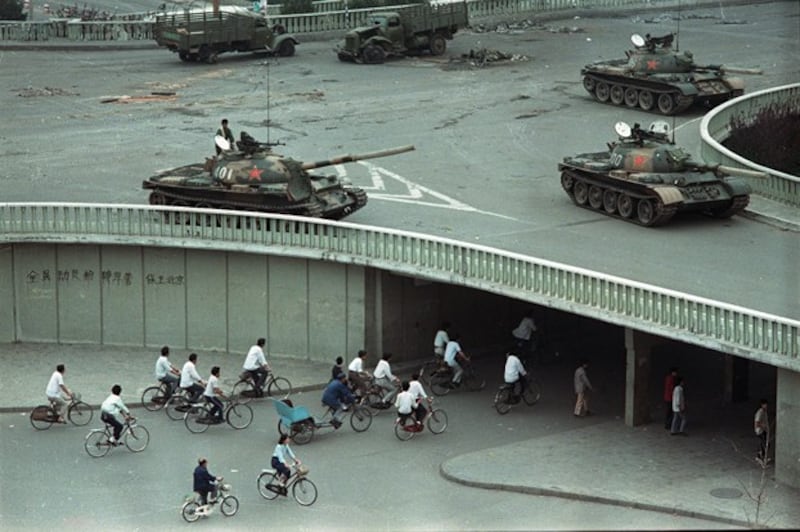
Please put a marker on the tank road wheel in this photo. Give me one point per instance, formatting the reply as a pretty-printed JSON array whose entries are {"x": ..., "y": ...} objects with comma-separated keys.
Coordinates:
[
  {"x": 631, "y": 97},
  {"x": 625, "y": 205},
  {"x": 581, "y": 191},
  {"x": 286, "y": 48},
  {"x": 588, "y": 84},
  {"x": 610, "y": 201},
  {"x": 646, "y": 100},
  {"x": 595, "y": 197},
  {"x": 374, "y": 54},
  {"x": 602, "y": 92},
  {"x": 567, "y": 182},
  {"x": 617, "y": 94},
  {"x": 438, "y": 45},
  {"x": 646, "y": 212},
  {"x": 666, "y": 104}
]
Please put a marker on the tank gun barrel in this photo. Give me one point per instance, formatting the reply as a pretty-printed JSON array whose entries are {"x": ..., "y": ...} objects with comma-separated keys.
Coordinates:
[
  {"x": 730, "y": 170},
  {"x": 352, "y": 158},
  {"x": 732, "y": 69}
]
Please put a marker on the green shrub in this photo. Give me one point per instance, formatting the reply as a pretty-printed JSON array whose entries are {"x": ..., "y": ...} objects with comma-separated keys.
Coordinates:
[
  {"x": 289, "y": 7},
  {"x": 11, "y": 10}
]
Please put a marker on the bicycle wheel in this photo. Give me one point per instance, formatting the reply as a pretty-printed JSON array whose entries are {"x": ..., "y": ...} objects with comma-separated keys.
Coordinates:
[
  {"x": 96, "y": 443},
  {"x": 360, "y": 418},
  {"x": 280, "y": 387},
  {"x": 373, "y": 401},
  {"x": 303, "y": 433},
  {"x": 243, "y": 391},
  {"x": 196, "y": 419},
  {"x": 229, "y": 506},
  {"x": 304, "y": 492},
  {"x": 80, "y": 413},
  {"x": 42, "y": 417},
  {"x": 473, "y": 382},
  {"x": 283, "y": 430},
  {"x": 177, "y": 407},
  {"x": 267, "y": 481},
  {"x": 405, "y": 428},
  {"x": 440, "y": 384},
  {"x": 239, "y": 416},
  {"x": 137, "y": 438},
  {"x": 153, "y": 398},
  {"x": 501, "y": 399},
  {"x": 428, "y": 369},
  {"x": 532, "y": 393},
  {"x": 437, "y": 421},
  {"x": 189, "y": 511}
]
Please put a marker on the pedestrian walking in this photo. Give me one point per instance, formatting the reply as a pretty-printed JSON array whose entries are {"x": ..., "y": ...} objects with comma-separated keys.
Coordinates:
[
  {"x": 761, "y": 425},
  {"x": 525, "y": 334},
  {"x": 669, "y": 385},
  {"x": 582, "y": 388},
  {"x": 678, "y": 408}
]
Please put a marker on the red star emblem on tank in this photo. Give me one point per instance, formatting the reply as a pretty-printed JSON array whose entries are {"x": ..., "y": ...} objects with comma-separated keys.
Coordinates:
[
  {"x": 254, "y": 174},
  {"x": 652, "y": 64},
  {"x": 639, "y": 161}
]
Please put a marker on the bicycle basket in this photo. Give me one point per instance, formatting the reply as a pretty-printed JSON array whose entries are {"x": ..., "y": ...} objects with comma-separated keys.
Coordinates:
[
  {"x": 302, "y": 470},
  {"x": 225, "y": 487}
]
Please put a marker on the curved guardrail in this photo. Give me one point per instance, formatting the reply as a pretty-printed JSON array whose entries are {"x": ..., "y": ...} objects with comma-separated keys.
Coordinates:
[
  {"x": 716, "y": 127},
  {"x": 745, "y": 332}
]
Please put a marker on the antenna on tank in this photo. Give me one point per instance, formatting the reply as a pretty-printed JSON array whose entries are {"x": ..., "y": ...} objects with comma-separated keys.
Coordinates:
[
  {"x": 269, "y": 122},
  {"x": 678, "y": 31}
]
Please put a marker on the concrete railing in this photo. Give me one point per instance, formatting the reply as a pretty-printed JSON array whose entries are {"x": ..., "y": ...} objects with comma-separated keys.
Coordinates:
[
  {"x": 745, "y": 332},
  {"x": 716, "y": 128}
]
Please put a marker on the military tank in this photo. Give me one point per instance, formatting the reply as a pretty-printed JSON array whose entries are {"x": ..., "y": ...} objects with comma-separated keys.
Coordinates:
[
  {"x": 253, "y": 177},
  {"x": 645, "y": 178},
  {"x": 656, "y": 77}
]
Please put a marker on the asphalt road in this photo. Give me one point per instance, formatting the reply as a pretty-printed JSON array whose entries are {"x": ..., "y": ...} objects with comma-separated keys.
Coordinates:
[
  {"x": 488, "y": 139},
  {"x": 367, "y": 481}
]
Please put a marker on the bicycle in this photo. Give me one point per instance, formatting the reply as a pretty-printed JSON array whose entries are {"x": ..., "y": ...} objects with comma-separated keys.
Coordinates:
[
  {"x": 405, "y": 426},
  {"x": 506, "y": 395},
  {"x": 297, "y": 422},
  {"x": 78, "y": 413},
  {"x": 430, "y": 367},
  {"x": 245, "y": 387},
  {"x": 177, "y": 405},
  {"x": 193, "y": 508},
  {"x": 441, "y": 380},
  {"x": 198, "y": 418},
  {"x": 373, "y": 399},
  {"x": 154, "y": 398},
  {"x": 303, "y": 490},
  {"x": 134, "y": 436}
]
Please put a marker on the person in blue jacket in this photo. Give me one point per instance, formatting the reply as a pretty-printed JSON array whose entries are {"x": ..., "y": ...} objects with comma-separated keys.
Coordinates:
[
  {"x": 337, "y": 396},
  {"x": 205, "y": 482}
]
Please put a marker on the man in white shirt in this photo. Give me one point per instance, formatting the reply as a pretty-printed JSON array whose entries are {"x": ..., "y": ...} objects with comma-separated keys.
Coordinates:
[
  {"x": 212, "y": 394},
  {"x": 110, "y": 409},
  {"x": 166, "y": 372},
  {"x": 418, "y": 393},
  {"x": 385, "y": 379},
  {"x": 678, "y": 408},
  {"x": 191, "y": 380},
  {"x": 256, "y": 364},
  {"x": 357, "y": 375},
  {"x": 453, "y": 356},
  {"x": 55, "y": 389},
  {"x": 440, "y": 340},
  {"x": 514, "y": 373},
  {"x": 525, "y": 333}
]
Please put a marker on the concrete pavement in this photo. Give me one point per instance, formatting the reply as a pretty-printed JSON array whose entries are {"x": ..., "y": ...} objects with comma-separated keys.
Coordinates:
[{"x": 710, "y": 474}]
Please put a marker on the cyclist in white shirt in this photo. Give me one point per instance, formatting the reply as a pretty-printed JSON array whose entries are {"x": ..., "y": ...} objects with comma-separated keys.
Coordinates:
[
  {"x": 441, "y": 339},
  {"x": 256, "y": 364},
  {"x": 418, "y": 392},
  {"x": 166, "y": 372},
  {"x": 55, "y": 389},
  {"x": 212, "y": 394},
  {"x": 356, "y": 374},
  {"x": 385, "y": 379},
  {"x": 405, "y": 402},
  {"x": 191, "y": 380},
  {"x": 514, "y": 373},
  {"x": 111, "y": 408},
  {"x": 455, "y": 358}
]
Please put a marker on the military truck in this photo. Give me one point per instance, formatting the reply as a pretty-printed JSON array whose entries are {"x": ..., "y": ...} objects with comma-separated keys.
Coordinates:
[
  {"x": 409, "y": 30},
  {"x": 202, "y": 33}
]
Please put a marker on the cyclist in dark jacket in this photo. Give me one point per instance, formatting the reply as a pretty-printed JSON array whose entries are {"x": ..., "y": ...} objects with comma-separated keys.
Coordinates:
[
  {"x": 204, "y": 482},
  {"x": 337, "y": 396}
]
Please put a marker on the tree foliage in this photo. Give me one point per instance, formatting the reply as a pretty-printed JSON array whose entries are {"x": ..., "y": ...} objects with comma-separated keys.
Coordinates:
[{"x": 11, "y": 10}]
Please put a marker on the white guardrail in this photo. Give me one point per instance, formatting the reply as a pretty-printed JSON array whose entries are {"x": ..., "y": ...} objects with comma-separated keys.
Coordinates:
[{"x": 741, "y": 331}]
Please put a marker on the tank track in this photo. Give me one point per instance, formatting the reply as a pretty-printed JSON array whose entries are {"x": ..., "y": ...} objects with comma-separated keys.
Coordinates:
[
  {"x": 738, "y": 204},
  {"x": 657, "y": 214},
  {"x": 621, "y": 92},
  {"x": 310, "y": 209}
]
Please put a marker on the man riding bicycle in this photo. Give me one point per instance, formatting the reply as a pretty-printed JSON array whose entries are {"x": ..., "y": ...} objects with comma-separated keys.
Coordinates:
[
  {"x": 212, "y": 394},
  {"x": 385, "y": 380},
  {"x": 515, "y": 373},
  {"x": 336, "y": 397},
  {"x": 110, "y": 409},
  {"x": 280, "y": 456},
  {"x": 205, "y": 482},
  {"x": 456, "y": 359},
  {"x": 166, "y": 372},
  {"x": 256, "y": 364},
  {"x": 418, "y": 393},
  {"x": 55, "y": 389},
  {"x": 191, "y": 381},
  {"x": 357, "y": 376}
]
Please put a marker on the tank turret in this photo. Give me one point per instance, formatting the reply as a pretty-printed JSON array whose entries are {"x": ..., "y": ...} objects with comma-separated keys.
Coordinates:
[
  {"x": 654, "y": 76},
  {"x": 254, "y": 177},
  {"x": 645, "y": 178}
]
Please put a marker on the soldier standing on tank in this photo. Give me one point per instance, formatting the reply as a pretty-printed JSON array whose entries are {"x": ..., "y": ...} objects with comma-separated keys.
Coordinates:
[{"x": 225, "y": 132}]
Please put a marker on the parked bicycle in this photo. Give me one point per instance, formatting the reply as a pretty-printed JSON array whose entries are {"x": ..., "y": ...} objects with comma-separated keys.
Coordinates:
[
  {"x": 245, "y": 387},
  {"x": 303, "y": 490},
  {"x": 134, "y": 436},
  {"x": 78, "y": 413},
  {"x": 154, "y": 398},
  {"x": 198, "y": 418},
  {"x": 405, "y": 426},
  {"x": 193, "y": 509},
  {"x": 441, "y": 380},
  {"x": 508, "y": 396},
  {"x": 300, "y": 425}
]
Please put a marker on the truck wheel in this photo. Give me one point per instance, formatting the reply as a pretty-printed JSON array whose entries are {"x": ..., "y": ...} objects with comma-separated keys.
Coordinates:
[
  {"x": 286, "y": 48},
  {"x": 204, "y": 53},
  {"x": 374, "y": 54},
  {"x": 438, "y": 45},
  {"x": 185, "y": 56},
  {"x": 278, "y": 29}
]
